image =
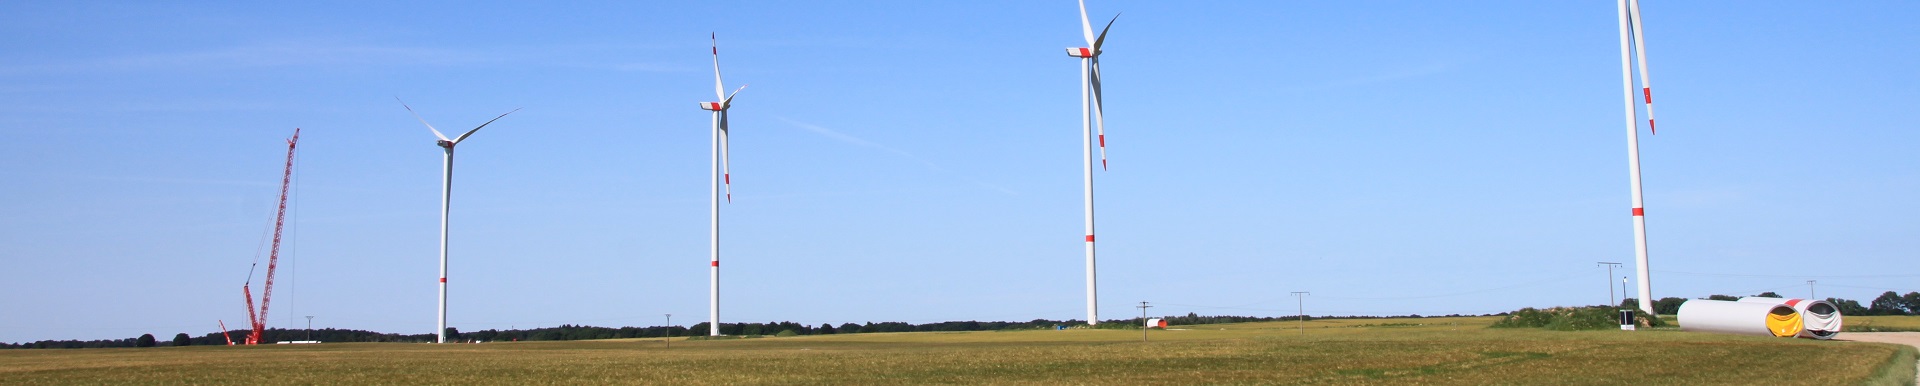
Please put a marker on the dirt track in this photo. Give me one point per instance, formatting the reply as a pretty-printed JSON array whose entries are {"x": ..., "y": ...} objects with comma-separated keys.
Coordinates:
[{"x": 1906, "y": 338}]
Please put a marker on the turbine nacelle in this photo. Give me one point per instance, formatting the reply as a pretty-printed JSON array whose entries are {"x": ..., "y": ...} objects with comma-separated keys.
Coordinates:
[
  {"x": 444, "y": 143},
  {"x": 712, "y": 106},
  {"x": 1082, "y": 52}
]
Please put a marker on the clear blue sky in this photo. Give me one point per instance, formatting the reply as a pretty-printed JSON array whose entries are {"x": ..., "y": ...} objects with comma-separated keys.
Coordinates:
[{"x": 916, "y": 161}]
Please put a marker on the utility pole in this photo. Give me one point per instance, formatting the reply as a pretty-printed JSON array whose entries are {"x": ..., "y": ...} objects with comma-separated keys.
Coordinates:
[
  {"x": 1301, "y": 296},
  {"x": 1623, "y": 292},
  {"x": 309, "y": 328},
  {"x": 669, "y": 339},
  {"x": 1810, "y": 284},
  {"x": 1143, "y": 320}
]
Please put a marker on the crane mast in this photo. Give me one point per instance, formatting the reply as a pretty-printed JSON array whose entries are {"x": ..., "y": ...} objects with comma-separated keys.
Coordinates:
[{"x": 273, "y": 257}]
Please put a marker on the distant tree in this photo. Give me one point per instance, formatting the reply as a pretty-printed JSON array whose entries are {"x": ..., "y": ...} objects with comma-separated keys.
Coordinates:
[
  {"x": 1723, "y": 297},
  {"x": 1628, "y": 303},
  {"x": 1888, "y": 303},
  {"x": 849, "y": 328},
  {"x": 699, "y": 329},
  {"x": 182, "y": 339},
  {"x": 825, "y": 328},
  {"x": 1912, "y": 303},
  {"x": 1847, "y": 306},
  {"x": 145, "y": 340},
  {"x": 1668, "y": 306},
  {"x": 1768, "y": 294},
  {"x": 453, "y": 334}
]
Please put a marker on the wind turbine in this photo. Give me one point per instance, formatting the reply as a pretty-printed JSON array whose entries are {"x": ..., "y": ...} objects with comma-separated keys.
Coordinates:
[
  {"x": 1630, "y": 32},
  {"x": 446, "y": 196},
  {"x": 1090, "y": 92},
  {"x": 722, "y": 175}
]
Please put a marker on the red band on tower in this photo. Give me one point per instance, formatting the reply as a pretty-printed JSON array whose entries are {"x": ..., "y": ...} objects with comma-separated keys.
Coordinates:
[
  {"x": 1639, "y": 211},
  {"x": 443, "y": 280},
  {"x": 1089, "y": 238},
  {"x": 716, "y": 263}
]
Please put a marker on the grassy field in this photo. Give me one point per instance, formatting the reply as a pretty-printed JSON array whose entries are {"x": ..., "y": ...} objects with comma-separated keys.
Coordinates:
[
  {"x": 1882, "y": 323},
  {"x": 1377, "y": 351}
]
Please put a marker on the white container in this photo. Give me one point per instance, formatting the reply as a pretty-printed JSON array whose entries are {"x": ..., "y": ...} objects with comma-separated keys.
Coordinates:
[
  {"x": 1749, "y": 318},
  {"x": 1821, "y": 319}
]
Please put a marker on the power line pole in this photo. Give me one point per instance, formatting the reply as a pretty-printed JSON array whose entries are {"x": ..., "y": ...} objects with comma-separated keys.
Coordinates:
[
  {"x": 1143, "y": 320},
  {"x": 669, "y": 340},
  {"x": 1610, "y": 265},
  {"x": 1301, "y": 296},
  {"x": 309, "y": 328},
  {"x": 1810, "y": 295}
]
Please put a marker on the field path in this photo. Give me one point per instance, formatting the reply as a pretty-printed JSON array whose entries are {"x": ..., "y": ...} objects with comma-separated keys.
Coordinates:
[{"x": 1906, "y": 338}]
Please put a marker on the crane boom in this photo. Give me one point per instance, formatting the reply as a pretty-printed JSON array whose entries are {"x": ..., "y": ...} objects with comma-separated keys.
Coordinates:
[{"x": 273, "y": 257}]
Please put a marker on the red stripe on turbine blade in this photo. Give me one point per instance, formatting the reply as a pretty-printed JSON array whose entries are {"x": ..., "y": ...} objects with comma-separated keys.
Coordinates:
[
  {"x": 1651, "y": 128},
  {"x": 443, "y": 280},
  {"x": 716, "y": 263},
  {"x": 1639, "y": 211},
  {"x": 728, "y": 178},
  {"x": 1793, "y": 302},
  {"x": 1089, "y": 238},
  {"x": 729, "y": 198},
  {"x": 1103, "y": 164},
  {"x": 1103, "y": 140},
  {"x": 1649, "y": 92}
]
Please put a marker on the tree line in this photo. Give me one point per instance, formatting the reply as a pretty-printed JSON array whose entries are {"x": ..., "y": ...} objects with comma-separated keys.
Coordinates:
[
  {"x": 1888, "y": 303},
  {"x": 576, "y": 332}
]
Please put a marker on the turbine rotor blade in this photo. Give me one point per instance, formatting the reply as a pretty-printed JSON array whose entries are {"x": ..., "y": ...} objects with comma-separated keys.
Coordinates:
[
  {"x": 1640, "y": 52},
  {"x": 463, "y": 137},
  {"x": 1103, "y": 34},
  {"x": 724, "y": 103},
  {"x": 423, "y": 121},
  {"x": 1099, "y": 111},
  {"x": 718, "y": 91},
  {"x": 726, "y": 166},
  {"x": 1086, "y": 28}
]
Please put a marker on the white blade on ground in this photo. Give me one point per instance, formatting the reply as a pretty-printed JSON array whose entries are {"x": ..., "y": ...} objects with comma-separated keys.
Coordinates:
[
  {"x": 718, "y": 91},
  {"x": 1099, "y": 115},
  {"x": 423, "y": 121},
  {"x": 489, "y": 122}
]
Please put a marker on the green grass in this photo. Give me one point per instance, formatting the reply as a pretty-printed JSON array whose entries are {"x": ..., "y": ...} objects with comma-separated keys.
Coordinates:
[
  {"x": 1880, "y": 324},
  {"x": 1370, "y": 351}
]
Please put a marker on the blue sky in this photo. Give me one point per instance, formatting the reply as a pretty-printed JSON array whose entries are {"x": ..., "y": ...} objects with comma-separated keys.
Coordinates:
[{"x": 916, "y": 161}]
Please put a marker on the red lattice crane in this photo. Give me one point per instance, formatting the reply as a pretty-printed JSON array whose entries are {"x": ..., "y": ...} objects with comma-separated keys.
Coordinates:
[{"x": 273, "y": 258}]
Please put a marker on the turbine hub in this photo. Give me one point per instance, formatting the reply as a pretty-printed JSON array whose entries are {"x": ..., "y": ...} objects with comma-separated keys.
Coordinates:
[{"x": 444, "y": 143}]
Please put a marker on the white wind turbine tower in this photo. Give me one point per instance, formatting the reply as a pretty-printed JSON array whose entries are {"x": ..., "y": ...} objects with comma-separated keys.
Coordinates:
[
  {"x": 1090, "y": 92},
  {"x": 446, "y": 196},
  {"x": 723, "y": 173},
  {"x": 1630, "y": 32}
]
